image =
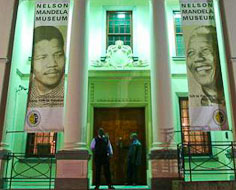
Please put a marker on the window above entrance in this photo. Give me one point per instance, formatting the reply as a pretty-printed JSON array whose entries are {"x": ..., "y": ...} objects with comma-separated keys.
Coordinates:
[
  {"x": 124, "y": 39},
  {"x": 119, "y": 27}
]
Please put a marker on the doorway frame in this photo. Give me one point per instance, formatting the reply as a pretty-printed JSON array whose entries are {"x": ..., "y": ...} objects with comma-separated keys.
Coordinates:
[
  {"x": 145, "y": 131},
  {"x": 124, "y": 88},
  {"x": 148, "y": 132}
]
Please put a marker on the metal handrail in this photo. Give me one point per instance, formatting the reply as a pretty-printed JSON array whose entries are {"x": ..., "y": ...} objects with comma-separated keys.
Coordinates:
[
  {"x": 23, "y": 169},
  {"x": 222, "y": 155}
]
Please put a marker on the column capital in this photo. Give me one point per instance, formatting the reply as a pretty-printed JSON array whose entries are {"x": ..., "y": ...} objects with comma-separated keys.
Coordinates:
[
  {"x": 81, "y": 1},
  {"x": 158, "y": 1}
]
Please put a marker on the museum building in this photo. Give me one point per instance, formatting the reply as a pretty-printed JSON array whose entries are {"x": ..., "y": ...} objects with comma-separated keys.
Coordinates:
[{"x": 125, "y": 72}]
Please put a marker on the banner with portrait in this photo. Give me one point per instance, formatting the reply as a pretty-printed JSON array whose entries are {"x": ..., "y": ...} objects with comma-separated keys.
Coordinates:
[
  {"x": 207, "y": 108},
  {"x": 46, "y": 87}
]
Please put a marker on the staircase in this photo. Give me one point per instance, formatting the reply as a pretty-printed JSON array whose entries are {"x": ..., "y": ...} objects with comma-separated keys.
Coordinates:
[{"x": 125, "y": 187}]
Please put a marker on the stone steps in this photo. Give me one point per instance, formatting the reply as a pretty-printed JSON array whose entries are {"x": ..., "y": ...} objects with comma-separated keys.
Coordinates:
[{"x": 125, "y": 187}]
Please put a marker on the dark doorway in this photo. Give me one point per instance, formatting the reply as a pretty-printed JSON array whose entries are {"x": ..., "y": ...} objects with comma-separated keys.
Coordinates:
[{"x": 119, "y": 123}]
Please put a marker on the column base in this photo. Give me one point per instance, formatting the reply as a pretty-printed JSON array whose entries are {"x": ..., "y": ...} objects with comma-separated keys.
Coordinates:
[
  {"x": 72, "y": 170},
  {"x": 164, "y": 164},
  {"x": 71, "y": 183},
  {"x": 199, "y": 185},
  {"x": 163, "y": 183},
  {"x": 162, "y": 154},
  {"x": 3, "y": 160},
  {"x": 163, "y": 146}
]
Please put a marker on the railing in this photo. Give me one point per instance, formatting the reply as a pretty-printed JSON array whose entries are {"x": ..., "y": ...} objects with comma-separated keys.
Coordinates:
[
  {"x": 29, "y": 172},
  {"x": 220, "y": 161}
]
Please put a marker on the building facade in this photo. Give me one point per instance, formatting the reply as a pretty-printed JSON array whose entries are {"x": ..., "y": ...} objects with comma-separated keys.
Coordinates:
[{"x": 125, "y": 72}]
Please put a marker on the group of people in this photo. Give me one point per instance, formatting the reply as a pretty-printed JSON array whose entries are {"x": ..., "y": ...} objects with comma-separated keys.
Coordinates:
[{"x": 102, "y": 150}]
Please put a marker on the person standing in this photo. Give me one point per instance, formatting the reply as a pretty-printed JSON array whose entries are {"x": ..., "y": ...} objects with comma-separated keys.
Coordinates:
[
  {"x": 134, "y": 159},
  {"x": 102, "y": 151}
]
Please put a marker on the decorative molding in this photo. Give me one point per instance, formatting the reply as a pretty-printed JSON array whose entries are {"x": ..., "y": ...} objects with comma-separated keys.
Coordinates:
[
  {"x": 163, "y": 154},
  {"x": 119, "y": 56},
  {"x": 118, "y": 100},
  {"x": 73, "y": 155},
  {"x": 146, "y": 91},
  {"x": 92, "y": 92},
  {"x": 120, "y": 74},
  {"x": 179, "y": 75},
  {"x": 179, "y": 58},
  {"x": 127, "y": 82},
  {"x": 117, "y": 7},
  {"x": 5, "y": 59}
]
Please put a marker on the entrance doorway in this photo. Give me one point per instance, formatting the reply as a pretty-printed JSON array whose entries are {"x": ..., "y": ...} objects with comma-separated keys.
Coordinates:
[{"x": 119, "y": 123}]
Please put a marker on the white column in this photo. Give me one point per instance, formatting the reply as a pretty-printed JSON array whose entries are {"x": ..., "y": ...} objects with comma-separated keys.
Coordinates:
[
  {"x": 8, "y": 9},
  {"x": 162, "y": 114},
  {"x": 3, "y": 62},
  {"x": 225, "y": 15},
  {"x": 76, "y": 98}
]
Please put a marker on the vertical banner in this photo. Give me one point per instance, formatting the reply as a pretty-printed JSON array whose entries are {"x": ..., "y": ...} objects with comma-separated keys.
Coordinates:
[
  {"x": 46, "y": 89},
  {"x": 207, "y": 107}
]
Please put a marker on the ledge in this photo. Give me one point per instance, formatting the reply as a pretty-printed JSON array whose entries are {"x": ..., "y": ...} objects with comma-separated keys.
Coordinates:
[
  {"x": 202, "y": 159},
  {"x": 73, "y": 155},
  {"x": 42, "y": 160},
  {"x": 4, "y": 154},
  {"x": 179, "y": 75},
  {"x": 179, "y": 58},
  {"x": 103, "y": 72},
  {"x": 25, "y": 75},
  {"x": 119, "y": 73},
  {"x": 163, "y": 154}
]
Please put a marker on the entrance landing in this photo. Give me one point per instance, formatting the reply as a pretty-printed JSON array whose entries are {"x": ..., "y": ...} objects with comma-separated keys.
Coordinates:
[{"x": 123, "y": 187}]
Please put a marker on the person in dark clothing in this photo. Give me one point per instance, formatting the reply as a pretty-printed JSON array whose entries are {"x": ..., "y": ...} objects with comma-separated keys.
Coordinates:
[
  {"x": 134, "y": 159},
  {"x": 102, "y": 151}
]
